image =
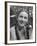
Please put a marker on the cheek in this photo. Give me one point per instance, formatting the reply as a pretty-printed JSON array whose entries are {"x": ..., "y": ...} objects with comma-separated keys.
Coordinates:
[
  {"x": 19, "y": 19},
  {"x": 25, "y": 20}
]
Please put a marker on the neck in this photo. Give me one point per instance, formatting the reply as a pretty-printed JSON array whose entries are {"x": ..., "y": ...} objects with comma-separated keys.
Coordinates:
[{"x": 20, "y": 28}]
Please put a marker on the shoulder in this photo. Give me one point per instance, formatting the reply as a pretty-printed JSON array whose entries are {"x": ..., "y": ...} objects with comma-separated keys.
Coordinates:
[
  {"x": 13, "y": 33},
  {"x": 12, "y": 28}
]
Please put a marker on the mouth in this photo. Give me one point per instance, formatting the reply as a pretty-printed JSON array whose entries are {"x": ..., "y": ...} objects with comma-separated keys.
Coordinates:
[{"x": 21, "y": 22}]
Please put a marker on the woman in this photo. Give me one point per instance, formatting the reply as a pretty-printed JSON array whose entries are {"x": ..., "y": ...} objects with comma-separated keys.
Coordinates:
[{"x": 21, "y": 30}]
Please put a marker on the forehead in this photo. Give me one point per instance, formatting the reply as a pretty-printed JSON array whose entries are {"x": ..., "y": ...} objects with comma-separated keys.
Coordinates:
[{"x": 23, "y": 14}]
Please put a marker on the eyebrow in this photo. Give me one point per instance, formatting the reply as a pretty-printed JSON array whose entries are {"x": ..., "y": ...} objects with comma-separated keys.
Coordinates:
[{"x": 24, "y": 17}]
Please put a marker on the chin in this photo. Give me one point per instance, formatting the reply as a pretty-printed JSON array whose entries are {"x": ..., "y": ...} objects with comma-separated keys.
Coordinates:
[{"x": 21, "y": 25}]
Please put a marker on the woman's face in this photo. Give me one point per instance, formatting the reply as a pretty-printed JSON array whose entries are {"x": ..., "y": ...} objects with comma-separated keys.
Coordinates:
[{"x": 22, "y": 18}]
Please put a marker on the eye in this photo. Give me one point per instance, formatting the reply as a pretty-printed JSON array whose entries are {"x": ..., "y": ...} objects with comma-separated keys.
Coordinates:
[
  {"x": 25, "y": 17},
  {"x": 21, "y": 16}
]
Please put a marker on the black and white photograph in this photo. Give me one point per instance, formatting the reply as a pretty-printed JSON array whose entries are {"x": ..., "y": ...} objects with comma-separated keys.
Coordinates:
[{"x": 20, "y": 22}]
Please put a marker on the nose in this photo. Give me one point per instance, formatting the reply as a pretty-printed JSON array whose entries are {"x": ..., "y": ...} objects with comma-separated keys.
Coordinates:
[{"x": 23, "y": 19}]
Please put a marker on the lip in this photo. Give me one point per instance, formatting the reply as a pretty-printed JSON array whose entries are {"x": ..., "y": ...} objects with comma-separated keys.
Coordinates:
[{"x": 21, "y": 22}]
